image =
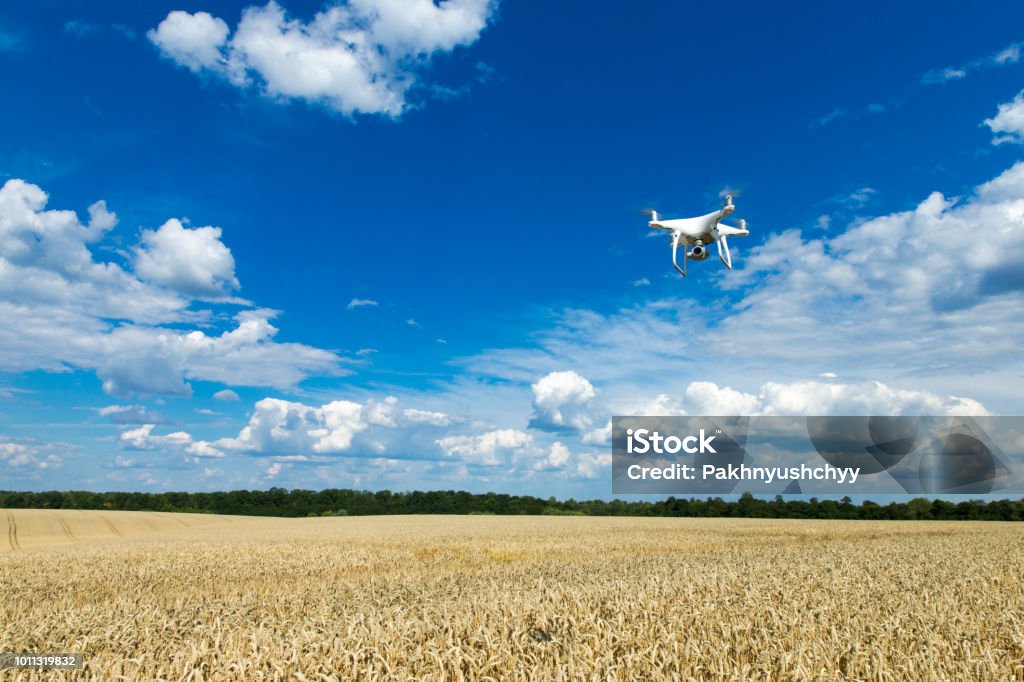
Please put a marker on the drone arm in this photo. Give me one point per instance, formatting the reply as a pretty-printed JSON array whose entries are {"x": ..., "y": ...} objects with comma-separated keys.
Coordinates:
[{"x": 675, "y": 247}]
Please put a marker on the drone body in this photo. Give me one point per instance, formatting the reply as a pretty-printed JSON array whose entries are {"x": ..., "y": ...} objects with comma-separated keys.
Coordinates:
[{"x": 695, "y": 234}]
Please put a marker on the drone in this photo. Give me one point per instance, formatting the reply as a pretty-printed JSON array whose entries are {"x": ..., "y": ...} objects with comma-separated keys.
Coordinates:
[{"x": 697, "y": 233}]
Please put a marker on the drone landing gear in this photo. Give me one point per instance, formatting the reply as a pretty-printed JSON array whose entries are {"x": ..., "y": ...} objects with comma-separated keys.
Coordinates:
[
  {"x": 675, "y": 247},
  {"x": 723, "y": 252}
]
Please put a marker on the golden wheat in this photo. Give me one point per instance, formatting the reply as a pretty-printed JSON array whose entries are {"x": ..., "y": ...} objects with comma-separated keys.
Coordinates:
[{"x": 146, "y": 597}]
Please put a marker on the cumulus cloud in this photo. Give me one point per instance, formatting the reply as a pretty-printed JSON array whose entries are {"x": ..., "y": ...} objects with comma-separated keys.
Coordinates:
[
  {"x": 600, "y": 436},
  {"x": 28, "y": 455},
  {"x": 1008, "y": 123},
  {"x": 226, "y": 395},
  {"x": 143, "y": 438},
  {"x": 283, "y": 427},
  {"x": 61, "y": 309},
  {"x": 818, "y": 398},
  {"x": 561, "y": 461},
  {"x": 707, "y": 398},
  {"x": 662, "y": 404},
  {"x": 492, "y": 448},
  {"x": 193, "y": 261},
  {"x": 148, "y": 360},
  {"x": 560, "y": 401},
  {"x": 363, "y": 56},
  {"x": 1007, "y": 186},
  {"x": 556, "y": 459},
  {"x": 193, "y": 40},
  {"x": 593, "y": 464}
]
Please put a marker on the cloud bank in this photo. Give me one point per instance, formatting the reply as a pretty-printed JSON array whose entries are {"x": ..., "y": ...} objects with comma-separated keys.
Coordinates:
[{"x": 133, "y": 324}]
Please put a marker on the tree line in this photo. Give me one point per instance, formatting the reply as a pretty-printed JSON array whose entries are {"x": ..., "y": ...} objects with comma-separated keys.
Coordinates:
[{"x": 335, "y": 502}]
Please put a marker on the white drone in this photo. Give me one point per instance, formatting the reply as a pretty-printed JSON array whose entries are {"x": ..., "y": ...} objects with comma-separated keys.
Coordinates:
[{"x": 695, "y": 233}]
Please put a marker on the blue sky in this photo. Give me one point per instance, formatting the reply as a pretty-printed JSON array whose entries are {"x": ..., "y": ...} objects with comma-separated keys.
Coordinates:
[{"x": 402, "y": 243}]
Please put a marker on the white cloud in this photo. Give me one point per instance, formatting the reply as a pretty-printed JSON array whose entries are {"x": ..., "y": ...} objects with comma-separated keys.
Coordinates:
[
  {"x": 707, "y": 398},
  {"x": 489, "y": 449},
  {"x": 950, "y": 73},
  {"x": 28, "y": 456},
  {"x": 193, "y": 40},
  {"x": 130, "y": 414},
  {"x": 593, "y": 465},
  {"x": 273, "y": 470},
  {"x": 360, "y": 57},
  {"x": 146, "y": 360},
  {"x": 556, "y": 459},
  {"x": 1007, "y": 186},
  {"x": 1010, "y": 55},
  {"x": 560, "y": 401},
  {"x": 427, "y": 417},
  {"x": 817, "y": 398},
  {"x": 861, "y": 196},
  {"x": 642, "y": 282},
  {"x": 1008, "y": 123},
  {"x": 601, "y": 436},
  {"x": 360, "y": 302},
  {"x": 193, "y": 261},
  {"x": 143, "y": 438},
  {"x": 282, "y": 427},
  {"x": 202, "y": 448},
  {"x": 226, "y": 395},
  {"x": 662, "y": 404},
  {"x": 1007, "y": 55},
  {"x": 61, "y": 309}
]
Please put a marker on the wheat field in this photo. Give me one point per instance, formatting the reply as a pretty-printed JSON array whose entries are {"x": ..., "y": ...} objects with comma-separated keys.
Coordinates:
[{"x": 150, "y": 596}]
